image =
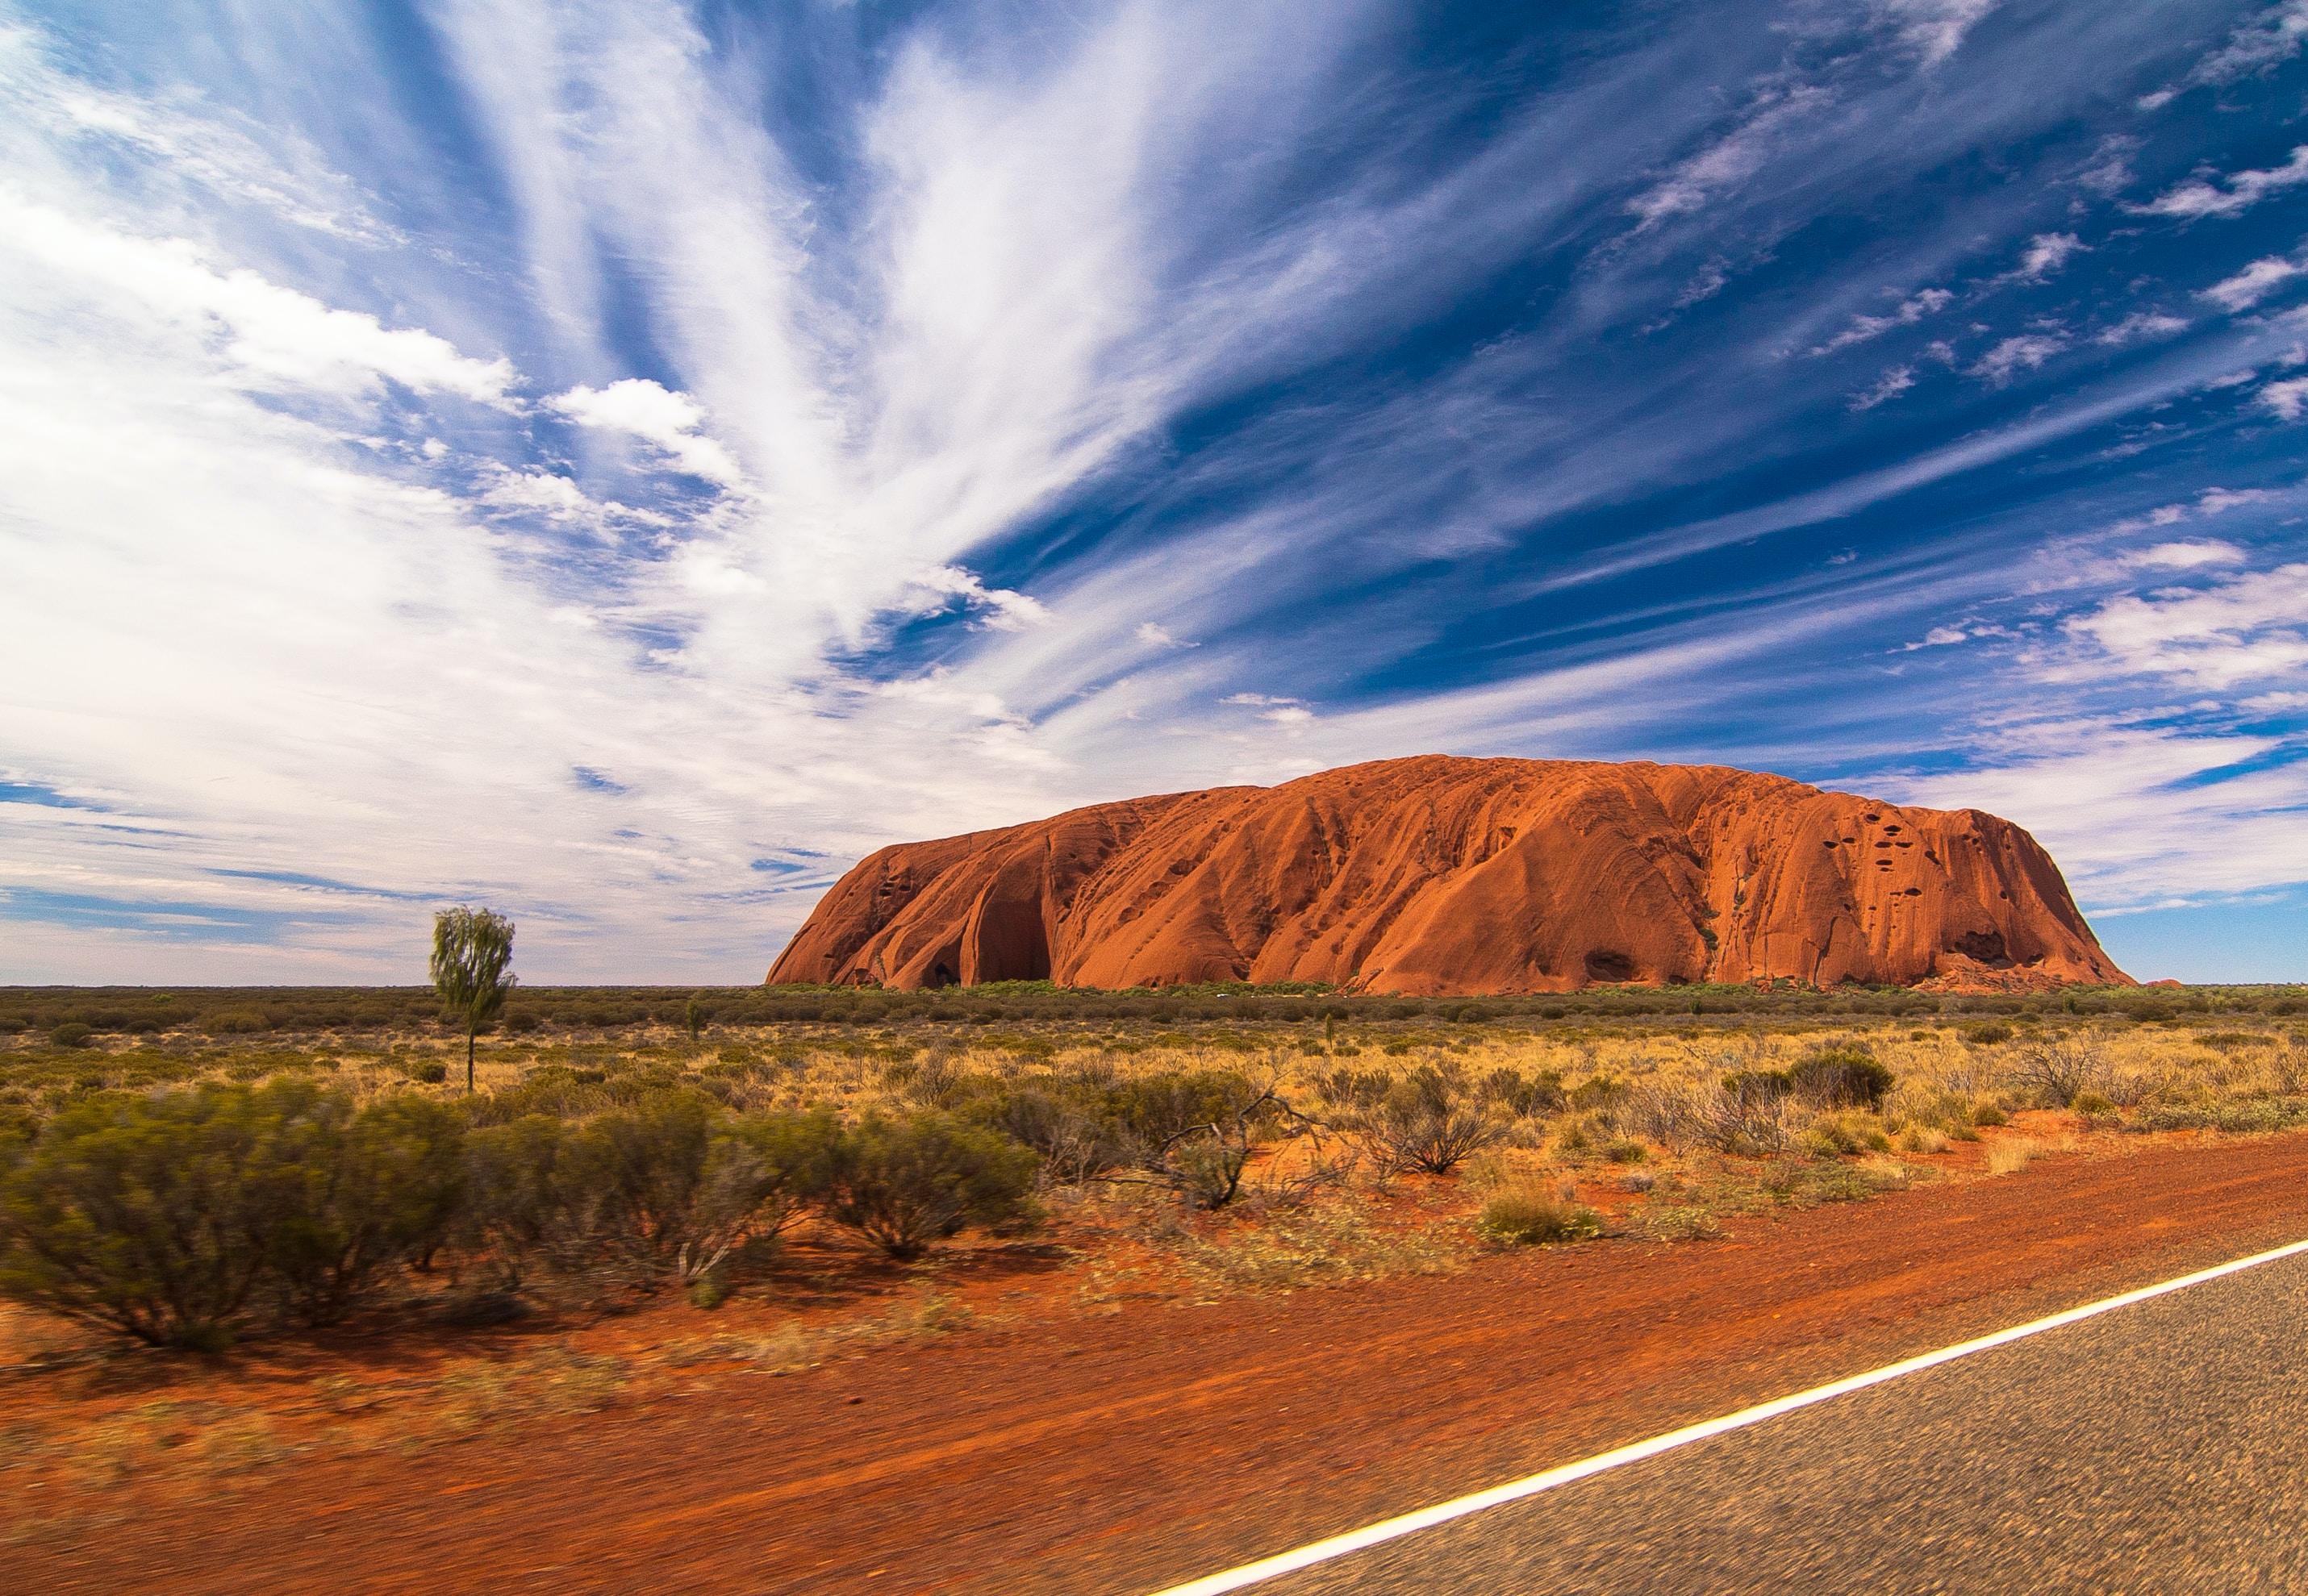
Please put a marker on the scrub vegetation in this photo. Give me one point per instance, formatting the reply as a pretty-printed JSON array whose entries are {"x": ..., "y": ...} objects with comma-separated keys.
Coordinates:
[{"x": 243, "y": 1172}]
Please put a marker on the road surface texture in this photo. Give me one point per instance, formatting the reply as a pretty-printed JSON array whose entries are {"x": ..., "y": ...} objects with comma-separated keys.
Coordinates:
[
  {"x": 2154, "y": 1448},
  {"x": 1084, "y": 1454}
]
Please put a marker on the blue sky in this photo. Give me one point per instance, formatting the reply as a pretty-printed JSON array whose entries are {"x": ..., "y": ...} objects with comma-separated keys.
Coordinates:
[{"x": 622, "y": 462}]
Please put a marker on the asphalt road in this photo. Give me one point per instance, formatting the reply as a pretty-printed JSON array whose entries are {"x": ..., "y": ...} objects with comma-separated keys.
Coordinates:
[{"x": 2160, "y": 1447}]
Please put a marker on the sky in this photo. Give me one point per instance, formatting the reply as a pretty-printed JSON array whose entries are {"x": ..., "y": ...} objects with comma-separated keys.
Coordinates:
[{"x": 623, "y": 463}]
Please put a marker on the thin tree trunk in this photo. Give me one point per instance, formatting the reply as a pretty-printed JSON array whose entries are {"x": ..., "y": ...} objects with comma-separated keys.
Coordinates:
[{"x": 469, "y": 1034}]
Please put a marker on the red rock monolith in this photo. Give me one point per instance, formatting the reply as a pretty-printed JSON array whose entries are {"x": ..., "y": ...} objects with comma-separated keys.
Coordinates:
[{"x": 1438, "y": 875}]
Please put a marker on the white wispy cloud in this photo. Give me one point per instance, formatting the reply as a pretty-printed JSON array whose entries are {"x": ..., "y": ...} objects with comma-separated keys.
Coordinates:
[
  {"x": 2254, "y": 284},
  {"x": 2008, "y": 357},
  {"x": 1730, "y": 158},
  {"x": 1935, "y": 29},
  {"x": 2249, "y": 628},
  {"x": 2141, "y": 324},
  {"x": 267, "y": 334},
  {"x": 2109, "y": 174},
  {"x": 2232, "y": 196},
  {"x": 1911, "y": 310},
  {"x": 198, "y": 144},
  {"x": 2267, "y": 41},
  {"x": 2136, "y": 815},
  {"x": 2219, "y": 500},
  {"x": 1894, "y": 382},
  {"x": 2288, "y": 398},
  {"x": 2191, "y": 554},
  {"x": 2045, "y": 254}
]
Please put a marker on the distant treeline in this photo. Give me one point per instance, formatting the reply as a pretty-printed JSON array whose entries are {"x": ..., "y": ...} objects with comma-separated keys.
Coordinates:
[{"x": 90, "y": 1013}]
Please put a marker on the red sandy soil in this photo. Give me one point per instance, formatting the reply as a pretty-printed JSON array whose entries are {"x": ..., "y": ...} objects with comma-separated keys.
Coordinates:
[
  {"x": 1437, "y": 875},
  {"x": 1065, "y": 1453}
]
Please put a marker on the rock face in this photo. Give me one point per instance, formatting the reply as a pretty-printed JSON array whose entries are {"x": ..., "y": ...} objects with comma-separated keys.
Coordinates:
[{"x": 1436, "y": 875}]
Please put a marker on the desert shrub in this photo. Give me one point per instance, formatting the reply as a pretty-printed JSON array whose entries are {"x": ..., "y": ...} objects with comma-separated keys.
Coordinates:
[
  {"x": 1356, "y": 1088},
  {"x": 1063, "y": 1120},
  {"x": 672, "y": 1187},
  {"x": 2053, "y": 1070},
  {"x": 1747, "y": 1115},
  {"x": 1194, "y": 1132},
  {"x": 1842, "y": 1133},
  {"x": 153, "y": 1216},
  {"x": 761, "y": 1174},
  {"x": 1428, "y": 1121},
  {"x": 426, "y": 1072},
  {"x": 1756, "y": 1086},
  {"x": 1989, "y": 1035},
  {"x": 523, "y": 1205},
  {"x": 905, "y": 1184},
  {"x": 362, "y": 1190},
  {"x": 1840, "y": 1077},
  {"x": 1529, "y": 1217},
  {"x": 235, "y": 1022},
  {"x": 570, "y": 1092},
  {"x": 937, "y": 1081},
  {"x": 1680, "y": 1222},
  {"x": 1599, "y": 1091},
  {"x": 2262, "y": 1114},
  {"x": 1148, "y": 1109},
  {"x": 71, "y": 1034},
  {"x": 1935, "y": 1106},
  {"x": 1524, "y": 1096}
]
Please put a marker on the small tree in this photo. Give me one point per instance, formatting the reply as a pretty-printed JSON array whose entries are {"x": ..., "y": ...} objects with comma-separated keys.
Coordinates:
[{"x": 472, "y": 955}]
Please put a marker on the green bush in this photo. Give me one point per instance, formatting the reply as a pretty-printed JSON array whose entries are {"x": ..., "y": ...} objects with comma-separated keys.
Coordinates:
[
  {"x": 72, "y": 1034},
  {"x": 682, "y": 1188},
  {"x": 669, "y": 1187},
  {"x": 183, "y": 1217},
  {"x": 1524, "y": 1096},
  {"x": 153, "y": 1216},
  {"x": 1065, "y": 1121},
  {"x": 1841, "y": 1135},
  {"x": 367, "y": 1190},
  {"x": 1531, "y": 1218},
  {"x": 427, "y": 1072},
  {"x": 904, "y": 1184},
  {"x": 1150, "y": 1110},
  {"x": 1842, "y": 1077},
  {"x": 523, "y": 1205}
]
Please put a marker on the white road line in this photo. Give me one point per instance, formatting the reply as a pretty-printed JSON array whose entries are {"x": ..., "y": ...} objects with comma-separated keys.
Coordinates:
[{"x": 1515, "y": 1490}]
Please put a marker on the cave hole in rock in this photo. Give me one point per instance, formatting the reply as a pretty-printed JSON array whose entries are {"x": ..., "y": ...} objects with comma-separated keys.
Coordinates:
[{"x": 1607, "y": 966}]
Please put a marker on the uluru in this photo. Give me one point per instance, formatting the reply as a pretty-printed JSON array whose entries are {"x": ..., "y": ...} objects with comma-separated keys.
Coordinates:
[{"x": 1444, "y": 876}]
